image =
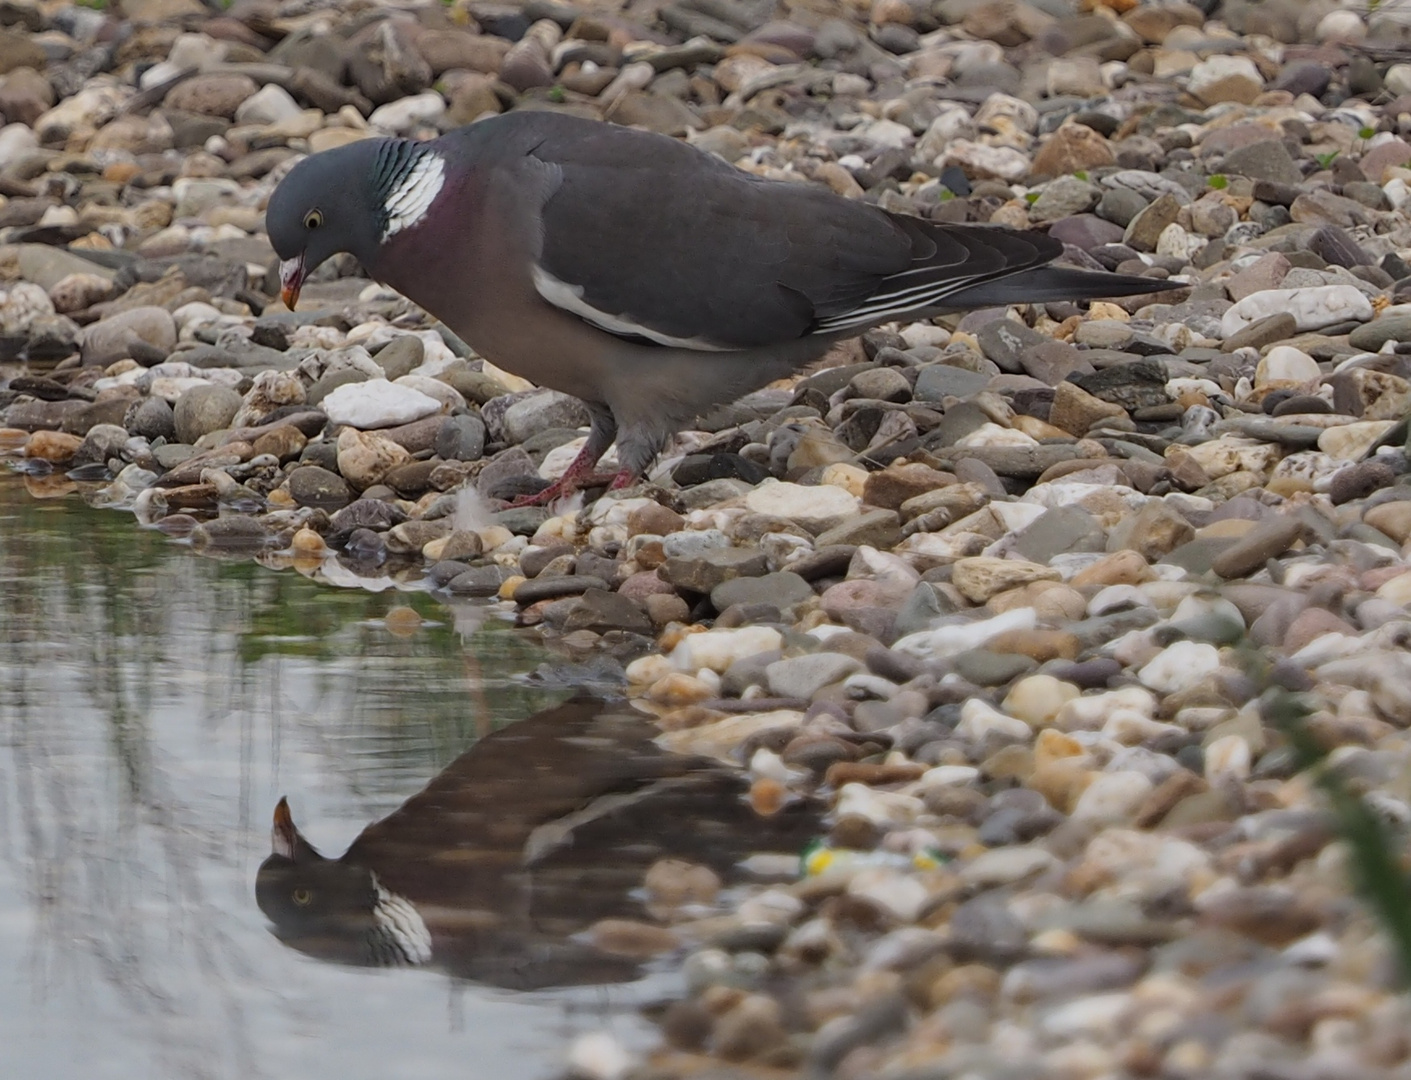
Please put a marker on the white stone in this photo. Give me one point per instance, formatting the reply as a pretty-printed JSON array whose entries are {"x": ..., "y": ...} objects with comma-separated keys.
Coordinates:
[
  {"x": 1352, "y": 442},
  {"x": 1004, "y": 866},
  {"x": 947, "y": 641},
  {"x": 718, "y": 649},
  {"x": 1228, "y": 758},
  {"x": 1341, "y": 27},
  {"x": 1285, "y": 364},
  {"x": 993, "y": 162},
  {"x": 898, "y": 894},
  {"x": 939, "y": 776},
  {"x": 268, "y": 105},
  {"x": 1398, "y": 79},
  {"x": 891, "y": 808},
  {"x": 978, "y": 718},
  {"x": 1036, "y": 699},
  {"x": 1180, "y": 665},
  {"x": 1097, "y": 1015},
  {"x": 994, "y": 435},
  {"x": 722, "y": 738},
  {"x": 400, "y": 117},
  {"x": 1312, "y": 308},
  {"x": 598, "y": 1055},
  {"x": 16, "y": 141},
  {"x": 815, "y": 508},
  {"x": 1112, "y": 798},
  {"x": 1176, "y": 242},
  {"x": 1218, "y": 68},
  {"x": 377, "y": 403},
  {"x": 1090, "y": 713},
  {"x": 449, "y": 397}
]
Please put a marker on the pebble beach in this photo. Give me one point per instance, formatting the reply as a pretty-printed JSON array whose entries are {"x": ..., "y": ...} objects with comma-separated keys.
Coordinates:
[{"x": 1014, "y": 595}]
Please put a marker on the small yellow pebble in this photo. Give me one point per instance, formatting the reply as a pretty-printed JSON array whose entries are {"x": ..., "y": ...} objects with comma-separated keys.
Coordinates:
[
  {"x": 510, "y": 584},
  {"x": 403, "y": 621},
  {"x": 308, "y": 542}
]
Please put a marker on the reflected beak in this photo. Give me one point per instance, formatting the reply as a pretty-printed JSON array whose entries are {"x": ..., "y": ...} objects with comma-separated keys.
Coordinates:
[
  {"x": 291, "y": 280},
  {"x": 284, "y": 838}
]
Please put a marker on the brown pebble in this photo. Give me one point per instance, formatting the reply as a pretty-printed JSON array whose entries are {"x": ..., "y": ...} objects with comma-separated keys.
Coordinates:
[{"x": 861, "y": 772}]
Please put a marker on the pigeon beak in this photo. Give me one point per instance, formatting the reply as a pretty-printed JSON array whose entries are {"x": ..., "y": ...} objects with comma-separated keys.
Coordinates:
[
  {"x": 291, "y": 280},
  {"x": 284, "y": 838}
]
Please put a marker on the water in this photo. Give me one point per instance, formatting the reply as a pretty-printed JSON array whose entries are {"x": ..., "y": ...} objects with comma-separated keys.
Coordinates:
[{"x": 154, "y": 708}]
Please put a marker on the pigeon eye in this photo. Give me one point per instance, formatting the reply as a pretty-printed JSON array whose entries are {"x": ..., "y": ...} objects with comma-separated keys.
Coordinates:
[
  {"x": 314, "y": 219},
  {"x": 303, "y": 897}
]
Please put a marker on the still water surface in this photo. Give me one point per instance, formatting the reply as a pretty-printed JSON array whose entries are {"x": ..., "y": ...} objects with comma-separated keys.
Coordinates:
[{"x": 154, "y": 708}]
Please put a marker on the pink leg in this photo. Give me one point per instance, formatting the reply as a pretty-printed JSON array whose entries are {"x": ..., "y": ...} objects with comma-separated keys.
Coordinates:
[{"x": 576, "y": 477}]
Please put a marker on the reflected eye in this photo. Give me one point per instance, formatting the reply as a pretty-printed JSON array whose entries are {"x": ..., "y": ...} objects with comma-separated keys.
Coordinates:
[
  {"x": 303, "y": 897},
  {"x": 313, "y": 219}
]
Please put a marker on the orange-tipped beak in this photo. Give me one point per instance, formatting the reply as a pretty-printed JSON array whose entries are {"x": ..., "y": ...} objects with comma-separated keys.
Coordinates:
[
  {"x": 291, "y": 280},
  {"x": 285, "y": 837}
]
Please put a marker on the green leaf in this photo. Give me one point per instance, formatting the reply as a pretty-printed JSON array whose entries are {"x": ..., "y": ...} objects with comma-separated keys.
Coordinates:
[{"x": 1219, "y": 181}]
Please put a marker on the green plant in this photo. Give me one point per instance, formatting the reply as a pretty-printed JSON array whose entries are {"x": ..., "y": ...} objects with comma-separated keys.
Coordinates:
[
  {"x": 1326, "y": 160},
  {"x": 946, "y": 194},
  {"x": 557, "y": 95},
  {"x": 96, "y": 5},
  {"x": 1081, "y": 174},
  {"x": 1366, "y": 133},
  {"x": 1031, "y": 198},
  {"x": 1219, "y": 181},
  {"x": 1373, "y": 843}
]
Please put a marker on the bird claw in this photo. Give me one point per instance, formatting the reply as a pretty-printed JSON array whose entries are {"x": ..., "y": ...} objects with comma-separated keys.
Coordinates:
[{"x": 569, "y": 484}]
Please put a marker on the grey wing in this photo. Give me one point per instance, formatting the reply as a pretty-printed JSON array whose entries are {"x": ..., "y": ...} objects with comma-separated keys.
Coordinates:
[{"x": 649, "y": 239}]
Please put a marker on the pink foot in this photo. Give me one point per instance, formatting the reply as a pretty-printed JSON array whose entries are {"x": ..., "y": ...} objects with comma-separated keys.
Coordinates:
[{"x": 566, "y": 485}]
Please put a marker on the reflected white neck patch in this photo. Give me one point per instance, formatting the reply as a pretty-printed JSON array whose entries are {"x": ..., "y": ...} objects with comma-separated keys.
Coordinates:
[{"x": 410, "y": 201}]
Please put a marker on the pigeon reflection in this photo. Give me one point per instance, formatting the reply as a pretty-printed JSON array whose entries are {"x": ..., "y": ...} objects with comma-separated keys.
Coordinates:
[{"x": 496, "y": 869}]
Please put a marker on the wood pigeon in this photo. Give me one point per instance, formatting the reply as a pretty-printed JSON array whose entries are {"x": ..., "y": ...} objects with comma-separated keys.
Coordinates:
[
  {"x": 645, "y": 277},
  {"x": 495, "y": 869}
]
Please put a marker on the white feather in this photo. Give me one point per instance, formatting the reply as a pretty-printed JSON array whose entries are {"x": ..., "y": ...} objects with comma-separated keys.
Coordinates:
[
  {"x": 411, "y": 199},
  {"x": 569, "y": 298}
]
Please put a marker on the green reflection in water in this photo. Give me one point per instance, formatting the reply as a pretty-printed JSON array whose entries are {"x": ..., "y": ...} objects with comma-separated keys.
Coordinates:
[{"x": 154, "y": 705}]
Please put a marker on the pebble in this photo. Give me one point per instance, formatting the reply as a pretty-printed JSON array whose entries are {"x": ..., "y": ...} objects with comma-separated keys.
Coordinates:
[{"x": 1005, "y": 575}]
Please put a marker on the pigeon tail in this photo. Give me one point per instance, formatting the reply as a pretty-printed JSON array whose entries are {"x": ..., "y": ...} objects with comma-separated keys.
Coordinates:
[{"x": 1045, "y": 284}]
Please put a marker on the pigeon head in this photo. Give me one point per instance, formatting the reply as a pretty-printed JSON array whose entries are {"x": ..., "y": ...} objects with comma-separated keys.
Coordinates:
[
  {"x": 352, "y": 198},
  {"x": 331, "y": 909}
]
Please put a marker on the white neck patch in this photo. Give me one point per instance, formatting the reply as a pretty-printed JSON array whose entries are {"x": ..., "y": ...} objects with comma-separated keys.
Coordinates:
[
  {"x": 400, "y": 923},
  {"x": 411, "y": 199}
]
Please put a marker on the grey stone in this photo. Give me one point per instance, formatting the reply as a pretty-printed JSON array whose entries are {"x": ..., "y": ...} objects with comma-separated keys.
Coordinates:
[
  {"x": 478, "y": 581},
  {"x": 204, "y": 409},
  {"x": 1261, "y": 332},
  {"x": 1005, "y": 341},
  {"x": 782, "y": 590},
  {"x": 1058, "y": 531},
  {"x": 541, "y": 411},
  {"x": 553, "y": 586},
  {"x": 400, "y": 356},
  {"x": 151, "y": 418},
  {"x": 103, "y": 441},
  {"x": 985, "y": 668},
  {"x": 1373, "y": 335},
  {"x": 1119, "y": 205},
  {"x": 704, "y": 572},
  {"x": 235, "y": 533},
  {"x": 935, "y": 382},
  {"x": 460, "y": 438},
  {"x": 310, "y": 485},
  {"x": 804, "y": 676},
  {"x": 1267, "y": 160},
  {"x": 1267, "y": 540},
  {"x": 601, "y": 611}
]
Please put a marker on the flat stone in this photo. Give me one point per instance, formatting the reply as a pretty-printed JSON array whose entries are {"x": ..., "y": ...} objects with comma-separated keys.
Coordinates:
[
  {"x": 804, "y": 676},
  {"x": 1268, "y": 540},
  {"x": 782, "y": 590}
]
